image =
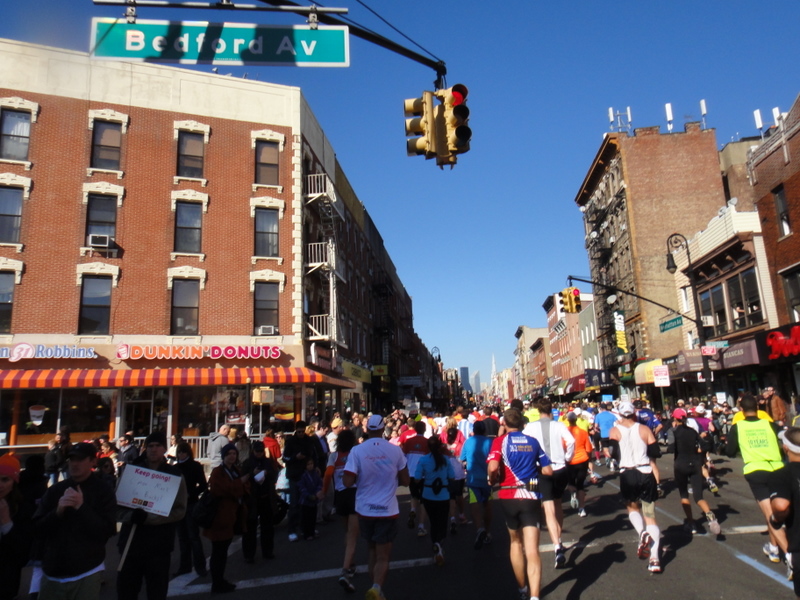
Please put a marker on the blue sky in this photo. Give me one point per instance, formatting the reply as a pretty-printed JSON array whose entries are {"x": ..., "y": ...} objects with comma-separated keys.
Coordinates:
[{"x": 480, "y": 247}]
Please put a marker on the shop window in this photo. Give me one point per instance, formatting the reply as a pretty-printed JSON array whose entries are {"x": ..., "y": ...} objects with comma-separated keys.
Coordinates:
[
  {"x": 95, "y": 311},
  {"x": 744, "y": 300},
  {"x": 712, "y": 309},
  {"x": 185, "y": 307},
  {"x": 266, "y": 234},
  {"x": 265, "y": 318},
  {"x": 87, "y": 413},
  {"x": 791, "y": 288},
  {"x": 196, "y": 412},
  {"x": 188, "y": 227},
  {"x": 33, "y": 412},
  {"x": 106, "y": 146}
]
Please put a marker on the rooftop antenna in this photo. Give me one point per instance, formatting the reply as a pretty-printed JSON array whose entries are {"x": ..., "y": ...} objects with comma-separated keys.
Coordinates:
[
  {"x": 703, "y": 112},
  {"x": 620, "y": 121},
  {"x": 776, "y": 116},
  {"x": 668, "y": 108},
  {"x": 759, "y": 122}
]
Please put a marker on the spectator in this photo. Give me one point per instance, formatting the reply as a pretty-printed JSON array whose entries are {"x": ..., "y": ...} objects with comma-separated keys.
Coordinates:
[
  {"x": 297, "y": 450},
  {"x": 216, "y": 442},
  {"x": 15, "y": 522},
  {"x": 260, "y": 507},
  {"x": 191, "y": 547},
  {"x": 128, "y": 453}
]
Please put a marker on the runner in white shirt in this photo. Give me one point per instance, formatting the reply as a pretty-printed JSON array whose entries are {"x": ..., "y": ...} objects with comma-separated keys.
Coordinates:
[{"x": 378, "y": 467}]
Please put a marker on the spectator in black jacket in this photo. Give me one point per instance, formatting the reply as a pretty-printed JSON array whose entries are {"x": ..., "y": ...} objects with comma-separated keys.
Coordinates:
[
  {"x": 188, "y": 532},
  {"x": 297, "y": 449},
  {"x": 128, "y": 453},
  {"x": 15, "y": 518},
  {"x": 261, "y": 499},
  {"x": 75, "y": 519}
]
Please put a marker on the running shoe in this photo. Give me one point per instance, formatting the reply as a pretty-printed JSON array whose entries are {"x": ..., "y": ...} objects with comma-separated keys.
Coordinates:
[
  {"x": 561, "y": 557},
  {"x": 597, "y": 463},
  {"x": 582, "y": 512},
  {"x": 772, "y": 555},
  {"x": 713, "y": 524},
  {"x": 789, "y": 569},
  {"x": 412, "y": 517},
  {"x": 689, "y": 526},
  {"x": 524, "y": 594},
  {"x": 480, "y": 540},
  {"x": 421, "y": 532},
  {"x": 573, "y": 501},
  {"x": 346, "y": 584},
  {"x": 374, "y": 594},
  {"x": 645, "y": 541},
  {"x": 453, "y": 527},
  {"x": 351, "y": 572},
  {"x": 654, "y": 566},
  {"x": 712, "y": 485},
  {"x": 438, "y": 555},
  {"x": 293, "y": 537}
]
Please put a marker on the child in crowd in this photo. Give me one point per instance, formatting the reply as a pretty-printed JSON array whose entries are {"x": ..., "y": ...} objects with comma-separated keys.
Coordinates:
[{"x": 310, "y": 488}]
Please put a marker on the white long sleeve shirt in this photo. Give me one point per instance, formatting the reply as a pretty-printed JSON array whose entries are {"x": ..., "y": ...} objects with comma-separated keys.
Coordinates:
[{"x": 560, "y": 447}]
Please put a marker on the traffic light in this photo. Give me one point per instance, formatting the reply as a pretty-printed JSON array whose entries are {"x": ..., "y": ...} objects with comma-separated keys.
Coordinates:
[
  {"x": 455, "y": 115},
  {"x": 564, "y": 298},
  {"x": 422, "y": 123},
  {"x": 576, "y": 300}
]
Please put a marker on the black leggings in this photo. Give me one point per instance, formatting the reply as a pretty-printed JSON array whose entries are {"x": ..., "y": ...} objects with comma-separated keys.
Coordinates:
[
  {"x": 219, "y": 560},
  {"x": 689, "y": 472},
  {"x": 438, "y": 511}
]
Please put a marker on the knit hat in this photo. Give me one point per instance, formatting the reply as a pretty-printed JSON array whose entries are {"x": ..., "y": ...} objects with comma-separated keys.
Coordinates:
[
  {"x": 9, "y": 466},
  {"x": 227, "y": 448},
  {"x": 157, "y": 437}
]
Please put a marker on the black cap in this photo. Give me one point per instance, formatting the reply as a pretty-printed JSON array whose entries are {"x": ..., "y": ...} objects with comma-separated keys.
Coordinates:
[
  {"x": 157, "y": 437},
  {"x": 82, "y": 450}
]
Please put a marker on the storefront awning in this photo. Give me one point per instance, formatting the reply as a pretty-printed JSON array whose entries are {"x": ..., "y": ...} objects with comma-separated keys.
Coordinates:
[
  {"x": 111, "y": 378},
  {"x": 575, "y": 384},
  {"x": 643, "y": 373}
]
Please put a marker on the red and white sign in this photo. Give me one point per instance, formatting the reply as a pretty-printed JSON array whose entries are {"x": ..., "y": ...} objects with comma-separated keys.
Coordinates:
[
  {"x": 708, "y": 350},
  {"x": 661, "y": 376}
]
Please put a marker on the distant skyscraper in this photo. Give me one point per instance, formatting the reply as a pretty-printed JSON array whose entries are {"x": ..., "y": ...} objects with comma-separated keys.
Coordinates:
[
  {"x": 465, "y": 379},
  {"x": 476, "y": 383}
]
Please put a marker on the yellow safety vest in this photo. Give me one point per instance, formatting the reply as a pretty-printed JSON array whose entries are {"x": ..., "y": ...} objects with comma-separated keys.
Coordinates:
[{"x": 759, "y": 446}]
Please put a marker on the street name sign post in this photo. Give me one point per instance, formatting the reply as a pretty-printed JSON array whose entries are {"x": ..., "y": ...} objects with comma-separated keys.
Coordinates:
[{"x": 200, "y": 42}]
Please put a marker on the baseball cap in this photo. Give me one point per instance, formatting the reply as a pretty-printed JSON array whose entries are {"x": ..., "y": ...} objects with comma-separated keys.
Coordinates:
[
  {"x": 375, "y": 423},
  {"x": 578, "y": 412},
  {"x": 700, "y": 410},
  {"x": 626, "y": 409},
  {"x": 82, "y": 450},
  {"x": 678, "y": 414}
]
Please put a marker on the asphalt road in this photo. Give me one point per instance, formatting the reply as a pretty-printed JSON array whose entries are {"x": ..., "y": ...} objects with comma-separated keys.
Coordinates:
[{"x": 601, "y": 555}]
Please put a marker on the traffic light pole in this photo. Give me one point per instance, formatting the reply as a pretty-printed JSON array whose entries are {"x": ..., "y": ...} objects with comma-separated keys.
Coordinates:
[{"x": 697, "y": 321}]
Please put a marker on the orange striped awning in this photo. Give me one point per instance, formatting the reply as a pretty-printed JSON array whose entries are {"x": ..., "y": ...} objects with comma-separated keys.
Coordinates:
[{"x": 110, "y": 378}]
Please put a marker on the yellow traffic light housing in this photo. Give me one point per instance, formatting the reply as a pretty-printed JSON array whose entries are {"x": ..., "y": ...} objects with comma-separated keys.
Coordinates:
[
  {"x": 576, "y": 300},
  {"x": 421, "y": 123},
  {"x": 563, "y": 300},
  {"x": 455, "y": 117}
]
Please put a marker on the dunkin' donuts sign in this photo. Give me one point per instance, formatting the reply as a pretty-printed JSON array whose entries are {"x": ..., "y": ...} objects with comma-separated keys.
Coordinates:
[{"x": 147, "y": 352}]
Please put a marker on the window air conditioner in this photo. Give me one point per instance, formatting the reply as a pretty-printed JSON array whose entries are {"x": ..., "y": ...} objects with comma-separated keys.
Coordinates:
[
  {"x": 98, "y": 241},
  {"x": 266, "y": 330}
]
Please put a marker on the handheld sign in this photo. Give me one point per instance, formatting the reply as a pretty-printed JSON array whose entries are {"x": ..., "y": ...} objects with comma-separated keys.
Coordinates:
[{"x": 152, "y": 491}]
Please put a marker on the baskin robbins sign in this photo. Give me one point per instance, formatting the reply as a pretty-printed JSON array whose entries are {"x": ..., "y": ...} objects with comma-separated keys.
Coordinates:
[
  {"x": 24, "y": 351},
  {"x": 198, "y": 352}
]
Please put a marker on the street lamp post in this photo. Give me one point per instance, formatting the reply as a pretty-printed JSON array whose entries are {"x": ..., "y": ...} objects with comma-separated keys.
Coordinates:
[{"x": 674, "y": 242}]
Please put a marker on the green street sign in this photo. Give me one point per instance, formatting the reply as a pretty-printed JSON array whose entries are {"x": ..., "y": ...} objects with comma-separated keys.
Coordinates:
[
  {"x": 199, "y": 42},
  {"x": 671, "y": 324}
]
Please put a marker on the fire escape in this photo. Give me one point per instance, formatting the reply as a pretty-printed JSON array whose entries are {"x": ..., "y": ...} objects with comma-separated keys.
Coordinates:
[{"x": 321, "y": 259}]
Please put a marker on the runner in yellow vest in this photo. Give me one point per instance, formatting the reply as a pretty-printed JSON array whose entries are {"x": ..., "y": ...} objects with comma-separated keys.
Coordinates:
[{"x": 757, "y": 440}]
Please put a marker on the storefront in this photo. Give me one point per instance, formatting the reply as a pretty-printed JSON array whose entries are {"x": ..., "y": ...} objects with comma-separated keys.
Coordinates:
[
  {"x": 779, "y": 350},
  {"x": 734, "y": 369},
  {"x": 189, "y": 389}
]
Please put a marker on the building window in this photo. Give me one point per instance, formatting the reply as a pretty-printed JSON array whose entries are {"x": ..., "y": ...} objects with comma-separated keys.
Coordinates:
[
  {"x": 15, "y": 134},
  {"x": 782, "y": 210},
  {"x": 188, "y": 227},
  {"x": 185, "y": 306},
  {"x": 267, "y": 154},
  {"x": 745, "y": 300},
  {"x": 791, "y": 287},
  {"x": 101, "y": 216},
  {"x": 266, "y": 305},
  {"x": 191, "y": 149},
  {"x": 712, "y": 309},
  {"x": 10, "y": 214},
  {"x": 106, "y": 145},
  {"x": 95, "y": 314},
  {"x": 7, "y": 281},
  {"x": 266, "y": 221}
]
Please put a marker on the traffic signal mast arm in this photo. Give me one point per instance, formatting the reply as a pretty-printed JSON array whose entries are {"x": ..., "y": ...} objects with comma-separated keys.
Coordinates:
[{"x": 698, "y": 321}]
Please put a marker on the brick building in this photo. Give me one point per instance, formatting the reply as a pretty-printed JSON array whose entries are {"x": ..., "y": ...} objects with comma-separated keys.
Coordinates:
[
  {"x": 775, "y": 176},
  {"x": 639, "y": 189},
  {"x": 177, "y": 247}
]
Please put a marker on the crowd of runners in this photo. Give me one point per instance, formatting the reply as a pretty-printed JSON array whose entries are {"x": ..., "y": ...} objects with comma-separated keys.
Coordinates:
[{"x": 524, "y": 459}]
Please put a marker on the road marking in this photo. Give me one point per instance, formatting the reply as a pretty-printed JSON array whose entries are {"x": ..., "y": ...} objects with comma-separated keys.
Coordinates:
[
  {"x": 761, "y": 568},
  {"x": 180, "y": 585}
]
